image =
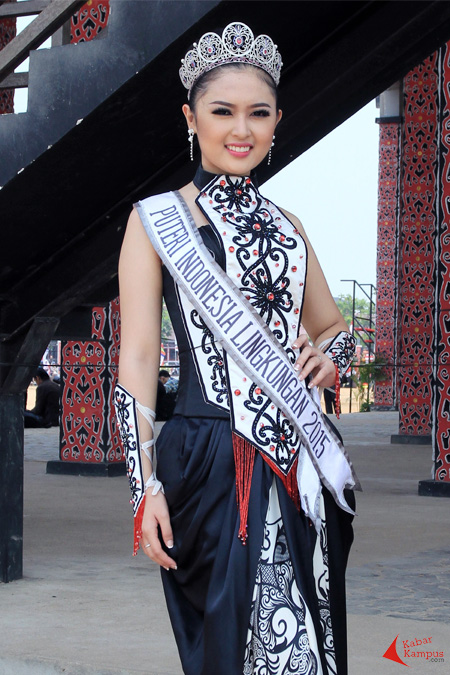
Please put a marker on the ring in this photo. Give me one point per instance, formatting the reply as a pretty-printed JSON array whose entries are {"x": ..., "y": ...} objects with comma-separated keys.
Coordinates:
[{"x": 147, "y": 545}]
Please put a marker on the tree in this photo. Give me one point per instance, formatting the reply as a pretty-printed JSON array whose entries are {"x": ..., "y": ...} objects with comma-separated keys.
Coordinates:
[
  {"x": 362, "y": 308},
  {"x": 166, "y": 324}
]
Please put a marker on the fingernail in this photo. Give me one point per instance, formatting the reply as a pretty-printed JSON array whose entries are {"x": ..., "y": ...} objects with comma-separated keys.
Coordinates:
[
  {"x": 296, "y": 367},
  {"x": 311, "y": 385},
  {"x": 175, "y": 568},
  {"x": 166, "y": 568},
  {"x": 170, "y": 543},
  {"x": 301, "y": 377}
]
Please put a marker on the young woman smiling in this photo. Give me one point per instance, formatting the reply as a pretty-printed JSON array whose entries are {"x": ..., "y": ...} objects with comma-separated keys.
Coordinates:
[{"x": 249, "y": 510}]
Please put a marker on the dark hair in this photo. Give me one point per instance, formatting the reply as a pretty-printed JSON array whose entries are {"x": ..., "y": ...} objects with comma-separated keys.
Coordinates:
[
  {"x": 164, "y": 373},
  {"x": 42, "y": 374},
  {"x": 201, "y": 85}
]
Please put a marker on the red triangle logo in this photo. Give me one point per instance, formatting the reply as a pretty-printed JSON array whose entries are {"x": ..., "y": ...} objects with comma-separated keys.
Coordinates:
[{"x": 391, "y": 653}]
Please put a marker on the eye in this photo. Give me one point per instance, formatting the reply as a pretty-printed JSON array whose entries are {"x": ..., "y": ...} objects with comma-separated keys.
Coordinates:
[
  {"x": 221, "y": 111},
  {"x": 261, "y": 113}
]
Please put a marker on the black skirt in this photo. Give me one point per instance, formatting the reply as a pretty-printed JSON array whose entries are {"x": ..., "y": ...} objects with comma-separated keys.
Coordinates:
[{"x": 210, "y": 596}]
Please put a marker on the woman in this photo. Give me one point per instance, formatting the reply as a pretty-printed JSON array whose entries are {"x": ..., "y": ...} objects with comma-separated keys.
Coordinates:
[{"x": 252, "y": 545}]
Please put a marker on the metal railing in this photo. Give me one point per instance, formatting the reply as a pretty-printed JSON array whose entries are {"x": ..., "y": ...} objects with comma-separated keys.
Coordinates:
[{"x": 366, "y": 330}]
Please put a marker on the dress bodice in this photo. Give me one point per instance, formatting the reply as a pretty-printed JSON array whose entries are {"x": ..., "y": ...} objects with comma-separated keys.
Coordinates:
[
  {"x": 190, "y": 401},
  {"x": 263, "y": 254}
]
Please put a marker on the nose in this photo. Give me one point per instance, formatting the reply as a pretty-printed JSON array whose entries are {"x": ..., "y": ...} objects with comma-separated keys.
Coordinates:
[{"x": 241, "y": 128}]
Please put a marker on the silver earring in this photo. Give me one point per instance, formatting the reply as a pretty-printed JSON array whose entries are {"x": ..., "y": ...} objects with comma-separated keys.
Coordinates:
[
  {"x": 269, "y": 158},
  {"x": 191, "y": 133}
]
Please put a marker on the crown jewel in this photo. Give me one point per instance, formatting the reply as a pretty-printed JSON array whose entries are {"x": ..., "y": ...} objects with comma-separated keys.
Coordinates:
[{"x": 237, "y": 45}]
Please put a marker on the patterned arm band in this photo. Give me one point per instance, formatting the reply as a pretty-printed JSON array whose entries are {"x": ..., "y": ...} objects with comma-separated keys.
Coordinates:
[
  {"x": 127, "y": 409},
  {"x": 341, "y": 350}
]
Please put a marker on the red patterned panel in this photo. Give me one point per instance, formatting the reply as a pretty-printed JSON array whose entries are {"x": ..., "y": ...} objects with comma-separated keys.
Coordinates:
[
  {"x": 442, "y": 407},
  {"x": 82, "y": 402},
  {"x": 386, "y": 258},
  {"x": 417, "y": 248},
  {"x": 114, "y": 451},
  {"x": 89, "y": 21},
  {"x": 7, "y": 32}
]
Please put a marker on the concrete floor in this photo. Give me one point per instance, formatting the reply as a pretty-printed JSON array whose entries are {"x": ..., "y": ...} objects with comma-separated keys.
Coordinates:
[{"x": 86, "y": 606}]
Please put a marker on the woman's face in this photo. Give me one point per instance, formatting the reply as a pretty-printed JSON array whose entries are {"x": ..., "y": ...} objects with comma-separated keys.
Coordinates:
[{"x": 234, "y": 119}]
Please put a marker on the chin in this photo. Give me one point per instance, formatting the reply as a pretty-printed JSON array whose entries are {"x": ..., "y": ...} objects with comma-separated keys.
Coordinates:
[{"x": 234, "y": 166}]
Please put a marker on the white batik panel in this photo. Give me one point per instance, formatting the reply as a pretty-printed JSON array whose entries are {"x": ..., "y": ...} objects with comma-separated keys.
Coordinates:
[
  {"x": 281, "y": 639},
  {"x": 322, "y": 579}
]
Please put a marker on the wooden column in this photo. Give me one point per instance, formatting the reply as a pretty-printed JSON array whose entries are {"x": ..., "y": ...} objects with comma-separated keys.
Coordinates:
[
  {"x": 7, "y": 33},
  {"x": 19, "y": 361},
  {"x": 11, "y": 486},
  {"x": 387, "y": 244},
  {"x": 89, "y": 437},
  {"x": 417, "y": 273},
  {"x": 439, "y": 484}
]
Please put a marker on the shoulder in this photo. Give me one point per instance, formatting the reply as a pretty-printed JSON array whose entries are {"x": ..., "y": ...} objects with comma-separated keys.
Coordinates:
[{"x": 294, "y": 220}]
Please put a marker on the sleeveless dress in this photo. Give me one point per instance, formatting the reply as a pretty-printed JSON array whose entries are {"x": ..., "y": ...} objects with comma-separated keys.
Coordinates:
[{"x": 275, "y": 605}]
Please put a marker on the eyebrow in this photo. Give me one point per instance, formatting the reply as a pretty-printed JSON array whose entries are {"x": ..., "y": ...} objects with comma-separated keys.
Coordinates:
[{"x": 232, "y": 105}]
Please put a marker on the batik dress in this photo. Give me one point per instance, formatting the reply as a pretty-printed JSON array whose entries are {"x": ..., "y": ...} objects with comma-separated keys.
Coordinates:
[{"x": 259, "y": 591}]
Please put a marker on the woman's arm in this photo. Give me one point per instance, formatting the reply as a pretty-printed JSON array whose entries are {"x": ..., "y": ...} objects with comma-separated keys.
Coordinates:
[
  {"x": 321, "y": 318},
  {"x": 140, "y": 282}
]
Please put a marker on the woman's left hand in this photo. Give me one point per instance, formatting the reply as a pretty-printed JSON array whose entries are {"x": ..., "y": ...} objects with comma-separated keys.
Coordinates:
[{"x": 312, "y": 360}]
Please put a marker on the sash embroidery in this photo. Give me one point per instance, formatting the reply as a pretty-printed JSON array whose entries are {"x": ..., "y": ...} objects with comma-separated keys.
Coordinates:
[
  {"x": 251, "y": 347},
  {"x": 266, "y": 256},
  {"x": 207, "y": 354}
]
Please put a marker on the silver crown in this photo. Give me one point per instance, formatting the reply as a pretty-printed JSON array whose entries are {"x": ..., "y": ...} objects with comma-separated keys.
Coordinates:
[{"x": 237, "y": 45}]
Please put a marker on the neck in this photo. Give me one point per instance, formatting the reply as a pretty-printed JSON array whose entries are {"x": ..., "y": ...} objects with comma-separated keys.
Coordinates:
[{"x": 203, "y": 177}]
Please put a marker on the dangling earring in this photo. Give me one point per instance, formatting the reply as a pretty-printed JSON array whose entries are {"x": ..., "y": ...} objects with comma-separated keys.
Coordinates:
[
  {"x": 269, "y": 158},
  {"x": 191, "y": 133}
]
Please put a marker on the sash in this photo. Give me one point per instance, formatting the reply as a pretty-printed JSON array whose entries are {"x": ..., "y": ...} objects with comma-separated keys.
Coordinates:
[{"x": 247, "y": 339}]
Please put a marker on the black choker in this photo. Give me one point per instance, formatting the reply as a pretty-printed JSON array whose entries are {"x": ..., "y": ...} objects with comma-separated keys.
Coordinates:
[{"x": 203, "y": 177}]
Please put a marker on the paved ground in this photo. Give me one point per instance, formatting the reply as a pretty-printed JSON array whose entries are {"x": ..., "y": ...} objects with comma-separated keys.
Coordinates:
[{"x": 86, "y": 607}]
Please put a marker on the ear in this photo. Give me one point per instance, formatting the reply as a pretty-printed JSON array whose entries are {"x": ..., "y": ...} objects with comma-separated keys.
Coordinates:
[
  {"x": 190, "y": 117},
  {"x": 279, "y": 116}
]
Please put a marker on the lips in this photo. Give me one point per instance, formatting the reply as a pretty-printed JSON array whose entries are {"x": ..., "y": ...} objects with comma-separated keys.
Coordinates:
[{"x": 239, "y": 148}]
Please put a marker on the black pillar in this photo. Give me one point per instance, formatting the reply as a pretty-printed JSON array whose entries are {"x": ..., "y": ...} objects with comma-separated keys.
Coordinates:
[
  {"x": 19, "y": 359},
  {"x": 11, "y": 486}
]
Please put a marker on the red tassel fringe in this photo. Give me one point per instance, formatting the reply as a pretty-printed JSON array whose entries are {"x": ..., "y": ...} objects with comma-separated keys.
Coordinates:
[
  {"x": 138, "y": 526},
  {"x": 337, "y": 386},
  {"x": 244, "y": 458},
  {"x": 289, "y": 481}
]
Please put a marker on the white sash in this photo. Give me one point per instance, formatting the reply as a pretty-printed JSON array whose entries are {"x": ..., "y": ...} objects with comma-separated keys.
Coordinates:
[{"x": 249, "y": 342}]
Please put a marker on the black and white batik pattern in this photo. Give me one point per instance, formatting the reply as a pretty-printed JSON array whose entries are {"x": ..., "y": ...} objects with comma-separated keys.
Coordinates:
[
  {"x": 322, "y": 579},
  {"x": 266, "y": 257},
  {"x": 281, "y": 639}
]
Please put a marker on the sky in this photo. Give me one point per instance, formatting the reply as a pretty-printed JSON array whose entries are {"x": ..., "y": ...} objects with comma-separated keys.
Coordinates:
[{"x": 332, "y": 189}]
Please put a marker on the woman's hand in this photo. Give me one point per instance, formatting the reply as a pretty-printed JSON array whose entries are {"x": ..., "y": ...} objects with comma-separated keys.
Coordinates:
[
  {"x": 156, "y": 513},
  {"x": 312, "y": 360}
]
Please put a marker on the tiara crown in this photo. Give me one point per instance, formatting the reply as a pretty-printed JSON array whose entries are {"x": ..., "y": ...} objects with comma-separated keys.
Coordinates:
[{"x": 237, "y": 45}]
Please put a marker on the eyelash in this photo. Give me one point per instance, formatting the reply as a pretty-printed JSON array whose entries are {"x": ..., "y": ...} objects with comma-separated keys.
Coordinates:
[{"x": 256, "y": 113}]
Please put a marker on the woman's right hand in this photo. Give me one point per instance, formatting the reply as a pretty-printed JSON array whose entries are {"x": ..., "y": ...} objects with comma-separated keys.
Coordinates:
[{"x": 156, "y": 513}]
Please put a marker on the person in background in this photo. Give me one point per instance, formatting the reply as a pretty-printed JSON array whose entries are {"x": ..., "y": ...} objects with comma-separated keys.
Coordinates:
[
  {"x": 46, "y": 411},
  {"x": 165, "y": 405},
  {"x": 169, "y": 382}
]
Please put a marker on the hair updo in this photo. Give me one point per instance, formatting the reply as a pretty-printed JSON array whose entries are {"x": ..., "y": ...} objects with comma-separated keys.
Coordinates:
[{"x": 201, "y": 85}]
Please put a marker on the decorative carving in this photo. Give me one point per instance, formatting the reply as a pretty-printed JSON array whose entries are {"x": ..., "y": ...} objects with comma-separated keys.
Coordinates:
[
  {"x": 442, "y": 326},
  {"x": 388, "y": 176},
  {"x": 7, "y": 33},
  {"x": 417, "y": 247},
  {"x": 88, "y": 430},
  {"x": 89, "y": 21}
]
